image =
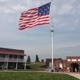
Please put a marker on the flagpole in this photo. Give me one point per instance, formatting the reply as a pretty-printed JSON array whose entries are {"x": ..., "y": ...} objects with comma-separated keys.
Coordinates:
[{"x": 52, "y": 31}]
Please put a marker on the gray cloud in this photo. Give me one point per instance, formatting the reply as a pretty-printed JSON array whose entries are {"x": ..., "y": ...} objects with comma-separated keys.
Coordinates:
[
  {"x": 37, "y": 40},
  {"x": 4, "y": 0}
]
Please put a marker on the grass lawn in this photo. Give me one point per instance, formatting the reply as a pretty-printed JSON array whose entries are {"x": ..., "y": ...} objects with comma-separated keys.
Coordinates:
[
  {"x": 36, "y": 66},
  {"x": 34, "y": 76}
]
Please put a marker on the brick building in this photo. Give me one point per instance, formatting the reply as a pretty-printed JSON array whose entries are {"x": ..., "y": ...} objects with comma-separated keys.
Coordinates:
[
  {"x": 11, "y": 58},
  {"x": 70, "y": 64}
]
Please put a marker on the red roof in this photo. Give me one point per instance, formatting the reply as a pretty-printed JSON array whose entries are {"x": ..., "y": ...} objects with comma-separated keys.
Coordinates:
[{"x": 12, "y": 51}]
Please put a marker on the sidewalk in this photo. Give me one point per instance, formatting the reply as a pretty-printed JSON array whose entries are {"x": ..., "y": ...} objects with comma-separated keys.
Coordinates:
[{"x": 77, "y": 75}]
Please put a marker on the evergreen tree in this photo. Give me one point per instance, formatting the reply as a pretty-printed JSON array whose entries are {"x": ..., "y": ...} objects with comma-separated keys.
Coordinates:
[
  {"x": 28, "y": 59},
  {"x": 37, "y": 58}
]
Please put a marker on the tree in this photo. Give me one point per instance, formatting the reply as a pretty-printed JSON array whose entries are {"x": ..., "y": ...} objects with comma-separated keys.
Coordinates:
[
  {"x": 28, "y": 59},
  {"x": 37, "y": 58},
  {"x": 60, "y": 58}
]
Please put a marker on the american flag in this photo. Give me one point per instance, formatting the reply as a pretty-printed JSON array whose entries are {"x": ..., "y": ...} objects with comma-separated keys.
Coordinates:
[{"x": 34, "y": 17}]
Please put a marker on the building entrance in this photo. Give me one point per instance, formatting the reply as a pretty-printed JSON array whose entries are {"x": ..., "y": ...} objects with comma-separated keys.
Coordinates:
[{"x": 74, "y": 67}]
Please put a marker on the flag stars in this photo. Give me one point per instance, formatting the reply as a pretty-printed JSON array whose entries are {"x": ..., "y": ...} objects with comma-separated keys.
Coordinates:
[
  {"x": 44, "y": 9},
  {"x": 34, "y": 17}
]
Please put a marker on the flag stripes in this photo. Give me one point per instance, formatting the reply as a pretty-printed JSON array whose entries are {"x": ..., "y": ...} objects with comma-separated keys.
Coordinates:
[{"x": 30, "y": 18}]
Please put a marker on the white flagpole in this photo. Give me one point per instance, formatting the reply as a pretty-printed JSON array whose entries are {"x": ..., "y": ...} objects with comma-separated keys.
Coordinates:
[{"x": 52, "y": 31}]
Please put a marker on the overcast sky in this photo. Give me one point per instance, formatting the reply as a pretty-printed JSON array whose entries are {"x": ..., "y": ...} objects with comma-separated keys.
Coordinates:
[{"x": 37, "y": 40}]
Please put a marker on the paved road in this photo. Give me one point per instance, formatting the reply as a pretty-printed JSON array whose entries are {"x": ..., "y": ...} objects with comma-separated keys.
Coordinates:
[{"x": 77, "y": 75}]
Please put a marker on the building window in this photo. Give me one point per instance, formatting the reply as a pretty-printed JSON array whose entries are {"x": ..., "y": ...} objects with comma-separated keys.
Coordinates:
[
  {"x": 68, "y": 60},
  {"x": 15, "y": 56},
  {"x": 12, "y": 56},
  {"x": 60, "y": 65},
  {"x": 2, "y": 55},
  {"x": 74, "y": 59},
  {"x": 20, "y": 57},
  {"x": 78, "y": 59}
]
